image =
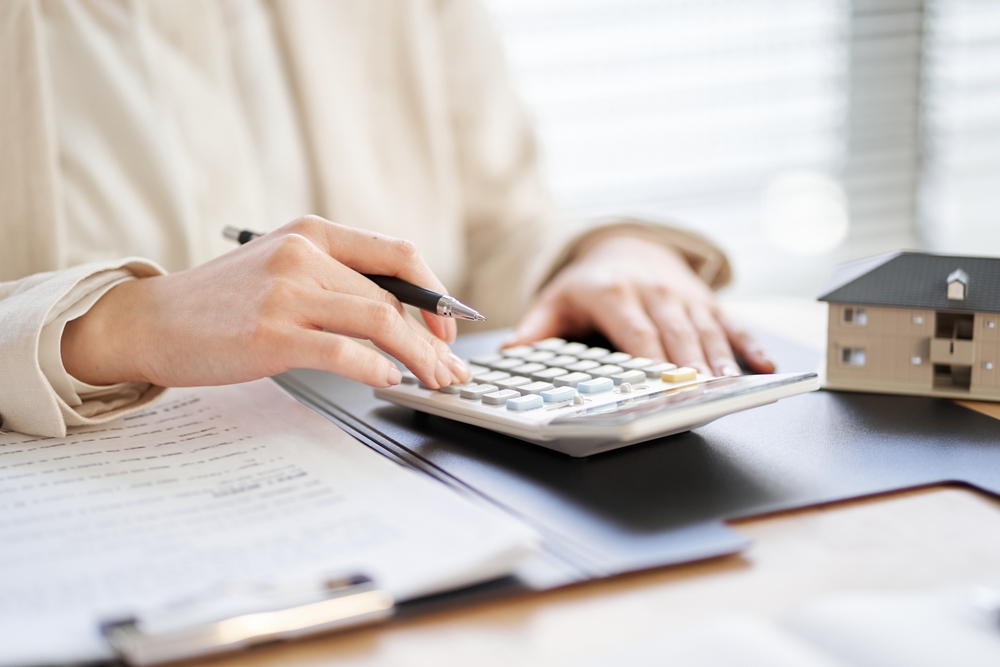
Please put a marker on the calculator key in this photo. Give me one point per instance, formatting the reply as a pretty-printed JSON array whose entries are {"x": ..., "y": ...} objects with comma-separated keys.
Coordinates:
[
  {"x": 491, "y": 377},
  {"x": 636, "y": 363},
  {"x": 454, "y": 388},
  {"x": 593, "y": 353},
  {"x": 540, "y": 355},
  {"x": 548, "y": 374},
  {"x": 534, "y": 388},
  {"x": 595, "y": 386},
  {"x": 506, "y": 363},
  {"x": 616, "y": 358},
  {"x": 408, "y": 377},
  {"x": 474, "y": 392},
  {"x": 474, "y": 369},
  {"x": 522, "y": 403},
  {"x": 629, "y": 377},
  {"x": 571, "y": 380},
  {"x": 653, "y": 372},
  {"x": 571, "y": 349},
  {"x": 585, "y": 365},
  {"x": 517, "y": 351},
  {"x": 486, "y": 359},
  {"x": 561, "y": 361},
  {"x": 512, "y": 383},
  {"x": 527, "y": 369},
  {"x": 606, "y": 370},
  {"x": 549, "y": 344},
  {"x": 681, "y": 374},
  {"x": 558, "y": 395},
  {"x": 500, "y": 397}
]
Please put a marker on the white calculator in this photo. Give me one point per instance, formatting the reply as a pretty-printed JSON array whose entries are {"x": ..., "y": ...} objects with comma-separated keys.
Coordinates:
[{"x": 582, "y": 400}]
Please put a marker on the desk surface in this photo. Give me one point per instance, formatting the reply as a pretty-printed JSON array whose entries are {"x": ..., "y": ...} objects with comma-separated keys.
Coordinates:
[{"x": 914, "y": 539}]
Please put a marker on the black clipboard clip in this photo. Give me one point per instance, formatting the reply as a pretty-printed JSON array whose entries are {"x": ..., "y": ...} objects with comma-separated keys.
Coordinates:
[{"x": 335, "y": 605}]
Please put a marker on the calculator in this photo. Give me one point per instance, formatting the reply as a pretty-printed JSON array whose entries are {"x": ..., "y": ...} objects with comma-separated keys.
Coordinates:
[{"x": 582, "y": 400}]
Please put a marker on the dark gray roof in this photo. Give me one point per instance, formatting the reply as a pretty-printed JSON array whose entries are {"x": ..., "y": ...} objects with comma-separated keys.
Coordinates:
[{"x": 915, "y": 280}]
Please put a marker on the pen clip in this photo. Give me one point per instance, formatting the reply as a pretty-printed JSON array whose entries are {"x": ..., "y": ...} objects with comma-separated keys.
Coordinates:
[{"x": 337, "y": 605}]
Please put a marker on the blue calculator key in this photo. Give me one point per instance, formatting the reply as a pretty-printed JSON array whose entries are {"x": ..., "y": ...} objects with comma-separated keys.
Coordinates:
[
  {"x": 596, "y": 386},
  {"x": 526, "y": 402},
  {"x": 558, "y": 394}
]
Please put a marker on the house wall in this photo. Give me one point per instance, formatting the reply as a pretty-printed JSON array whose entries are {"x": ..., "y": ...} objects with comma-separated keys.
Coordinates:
[
  {"x": 987, "y": 348},
  {"x": 891, "y": 338}
]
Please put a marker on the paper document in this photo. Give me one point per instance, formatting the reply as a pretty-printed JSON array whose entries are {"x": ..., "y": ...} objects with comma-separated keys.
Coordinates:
[{"x": 210, "y": 490}]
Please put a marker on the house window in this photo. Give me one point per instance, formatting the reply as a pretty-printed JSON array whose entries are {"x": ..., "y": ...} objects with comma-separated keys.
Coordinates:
[
  {"x": 852, "y": 356},
  {"x": 858, "y": 316}
]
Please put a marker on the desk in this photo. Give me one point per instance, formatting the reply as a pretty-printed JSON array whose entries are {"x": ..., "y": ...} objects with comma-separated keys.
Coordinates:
[{"x": 914, "y": 539}]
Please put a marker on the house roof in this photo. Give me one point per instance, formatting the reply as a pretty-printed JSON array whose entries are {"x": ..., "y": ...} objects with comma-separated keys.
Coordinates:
[{"x": 915, "y": 280}]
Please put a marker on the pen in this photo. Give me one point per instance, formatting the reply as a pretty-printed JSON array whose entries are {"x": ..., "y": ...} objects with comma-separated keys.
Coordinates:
[{"x": 424, "y": 299}]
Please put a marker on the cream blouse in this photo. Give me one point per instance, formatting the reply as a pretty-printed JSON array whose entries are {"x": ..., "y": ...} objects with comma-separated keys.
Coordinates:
[{"x": 139, "y": 128}]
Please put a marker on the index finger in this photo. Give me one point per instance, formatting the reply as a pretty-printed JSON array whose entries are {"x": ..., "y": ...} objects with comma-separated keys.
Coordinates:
[{"x": 378, "y": 254}]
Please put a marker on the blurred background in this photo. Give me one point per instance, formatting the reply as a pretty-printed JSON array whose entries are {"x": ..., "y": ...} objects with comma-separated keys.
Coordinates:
[{"x": 795, "y": 133}]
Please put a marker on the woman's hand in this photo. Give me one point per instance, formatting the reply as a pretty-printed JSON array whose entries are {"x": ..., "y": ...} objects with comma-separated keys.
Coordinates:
[
  {"x": 644, "y": 297},
  {"x": 261, "y": 310}
]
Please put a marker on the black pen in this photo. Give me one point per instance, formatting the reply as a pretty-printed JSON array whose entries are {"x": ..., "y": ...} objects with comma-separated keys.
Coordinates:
[{"x": 424, "y": 299}]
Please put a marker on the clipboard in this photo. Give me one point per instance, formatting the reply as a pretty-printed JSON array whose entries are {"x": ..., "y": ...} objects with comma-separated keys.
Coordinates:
[{"x": 336, "y": 604}]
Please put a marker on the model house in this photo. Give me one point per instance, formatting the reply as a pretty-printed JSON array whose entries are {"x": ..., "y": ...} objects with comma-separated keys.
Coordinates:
[{"x": 915, "y": 323}]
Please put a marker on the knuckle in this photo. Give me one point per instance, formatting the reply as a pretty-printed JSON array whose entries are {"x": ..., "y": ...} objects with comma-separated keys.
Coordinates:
[
  {"x": 384, "y": 317},
  {"x": 406, "y": 250},
  {"x": 289, "y": 254}
]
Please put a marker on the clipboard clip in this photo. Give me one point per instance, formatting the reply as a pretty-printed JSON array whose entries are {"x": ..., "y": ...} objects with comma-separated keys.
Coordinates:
[{"x": 335, "y": 605}]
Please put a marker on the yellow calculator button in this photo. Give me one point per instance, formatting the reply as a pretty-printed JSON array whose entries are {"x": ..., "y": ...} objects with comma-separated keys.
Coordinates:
[{"x": 682, "y": 374}]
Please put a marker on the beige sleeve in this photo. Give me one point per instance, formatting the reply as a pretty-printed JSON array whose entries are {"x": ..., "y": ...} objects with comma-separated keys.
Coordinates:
[
  {"x": 37, "y": 395},
  {"x": 515, "y": 240}
]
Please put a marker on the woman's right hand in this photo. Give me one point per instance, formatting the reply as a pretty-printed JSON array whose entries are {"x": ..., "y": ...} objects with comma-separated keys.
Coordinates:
[{"x": 262, "y": 309}]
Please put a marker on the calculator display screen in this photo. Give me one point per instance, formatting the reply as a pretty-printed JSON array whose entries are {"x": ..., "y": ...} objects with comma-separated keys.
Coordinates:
[{"x": 633, "y": 408}]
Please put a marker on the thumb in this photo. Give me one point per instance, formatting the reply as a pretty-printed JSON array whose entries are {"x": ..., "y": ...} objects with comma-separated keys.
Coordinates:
[{"x": 542, "y": 321}]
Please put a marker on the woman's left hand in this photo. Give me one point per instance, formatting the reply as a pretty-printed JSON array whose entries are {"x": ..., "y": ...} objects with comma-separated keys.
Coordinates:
[{"x": 644, "y": 297}]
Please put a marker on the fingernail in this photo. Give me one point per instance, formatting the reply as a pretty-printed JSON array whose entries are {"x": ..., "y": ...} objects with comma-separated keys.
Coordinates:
[
  {"x": 730, "y": 370},
  {"x": 459, "y": 369},
  {"x": 394, "y": 377},
  {"x": 442, "y": 374}
]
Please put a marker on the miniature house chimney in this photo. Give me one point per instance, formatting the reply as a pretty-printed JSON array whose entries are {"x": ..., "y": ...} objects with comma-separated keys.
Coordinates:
[{"x": 958, "y": 285}]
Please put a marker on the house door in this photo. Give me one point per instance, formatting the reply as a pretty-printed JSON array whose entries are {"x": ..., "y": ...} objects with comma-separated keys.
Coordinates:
[{"x": 953, "y": 351}]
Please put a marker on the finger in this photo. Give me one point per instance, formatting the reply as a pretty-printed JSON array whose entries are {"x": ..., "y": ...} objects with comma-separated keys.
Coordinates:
[
  {"x": 747, "y": 347},
  {"x": 459, "y": 370},
  {"x": 621, "y": 316},
  {"x": 714, "y": 341},
  {"x": 379, "y": 254},
  {"x": 444, "y": 328},
  {"x": 543, "y": 320},
  {"x": 341, "y": 355},
  {"x": 679, "y": 336},
  {"x": 384, "y": 325}
]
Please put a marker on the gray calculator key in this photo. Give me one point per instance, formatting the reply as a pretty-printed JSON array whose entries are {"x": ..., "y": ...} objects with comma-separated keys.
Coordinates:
[
  {"x": 616, "y": 358},
  {"x": 475, "y": 392},
  {"x": 561, "y": 361},
  {"x": 475, "y": 368},
  {"x": 506, "y": 363},
  {"x": 593, "y": 353},
  {"x": 595, "y": 386},
  {"x": 500, "y": 397},
  {"x": 549, "y": 344},
  {"x": 653, "y": 372},
  {"x": 512, "y": 382},
  {"x": 491, "y": 377},
  {"x": 534, "y": 388},
  {"x": 606, "y": 370},
  {"x": 584, "y": 365},
  {"x": 571, "y": 380},
  {"x": 517, "y": 351},
  {"x": 548, "y": 374},
  {"x": 408, "y": 377},
  {"x": 454, "y": 388},
  {"x": 527, "y": 369},
  {"x": 540, "y": 355},
  {"x": 486, "y": 359},
  {"x": 636, "y": 363},
  {"x": 571, "y": 349},
  {"x": 629, "y": 377},
  {"x": 558, "y": 395},
  {"x": 522, "y": 403}
]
